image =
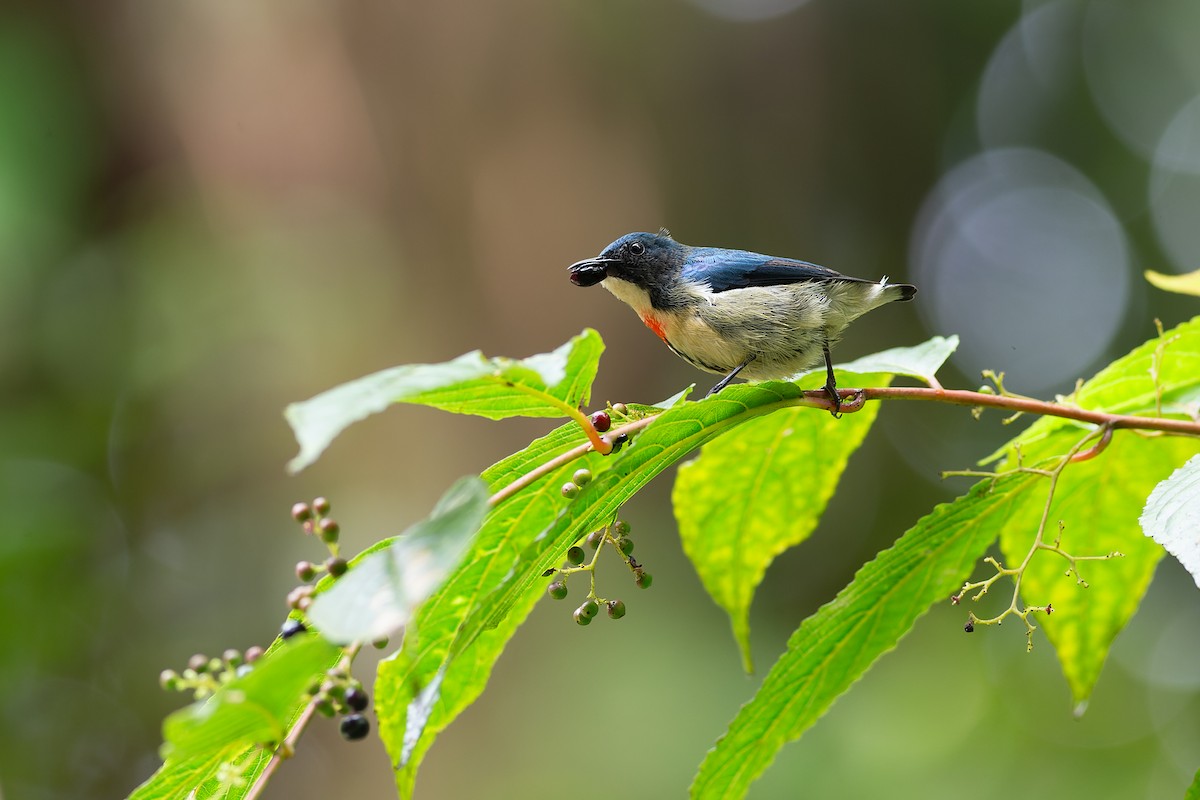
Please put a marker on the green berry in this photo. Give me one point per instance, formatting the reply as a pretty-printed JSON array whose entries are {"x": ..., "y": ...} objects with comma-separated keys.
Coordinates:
[
  {"x": 616, "y": 609},
  {"x": 325, "y": 707},
  {"x": 168, "y": 679},
  {"x": 601, "y": 421},
  {"x": 590, "y": 608},
  {"x": 301, "y": 512},
  {"x": 622, "y": 528},
  {"x": 575, "y": 555},
  {"x": 595, "y": 538},
  {"x": 557, "y": 590},
  {"x": 379, "y": 644},
  {"x": 620, "y": 408},
  {"x": 643, "y": 579},
  {"x": 306, "y": 570},
  {"x": 321, "y": 506},
  {"x": 329, "y": 530},
  {"x": 570, "y": 490},
  {"x": 625, "y": 545},
  {"x": 581, "y": 618},
  {"x": 582, "y": 476}
]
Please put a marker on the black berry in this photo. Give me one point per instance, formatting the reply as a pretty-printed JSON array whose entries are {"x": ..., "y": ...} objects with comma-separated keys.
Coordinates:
[
  {"x": 290, "y": 628},
  {"x": 356, "y": 698},
  {"x": 969, "y": 627}
]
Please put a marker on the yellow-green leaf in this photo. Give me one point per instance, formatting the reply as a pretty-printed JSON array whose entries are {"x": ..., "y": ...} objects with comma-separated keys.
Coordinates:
[{"x": 1180, "y": 284}]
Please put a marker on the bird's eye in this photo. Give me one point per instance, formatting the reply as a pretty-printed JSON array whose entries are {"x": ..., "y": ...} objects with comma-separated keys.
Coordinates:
[{"x": 636, "y": 249}]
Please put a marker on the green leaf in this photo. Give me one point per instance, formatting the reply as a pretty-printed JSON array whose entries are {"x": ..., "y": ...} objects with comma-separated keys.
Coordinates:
[
  {"x": 1172, "y": 516},
  {"x": 1180, "y": 284},
  {"x": 748, "y": 497},
  {"x": 834, "y": 647},
  {"x": 256, "y": 708},
  {"x": 379, "y": 594},
  {"x": 922, "y": 361},
  {"x": 1098, "y": 502},
  {"x": 1128, "y": 385},
  {"x": 424, "y": 687},
  {"x": 1193, "y": 792},
  {"x": 545, "y": 385}
]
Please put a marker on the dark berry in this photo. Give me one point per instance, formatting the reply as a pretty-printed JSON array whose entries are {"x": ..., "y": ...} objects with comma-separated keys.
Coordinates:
[
  {"x": 616, "y": 609},
  {"x": 619, "y": 442},
  {"x": 590, "y": 608},
  {"x": 621, "y": 528},
  {"x": 643, "y": 579},
  {"x": 595, "y": 538},
  {"x": 625, "y": 545},
  {"x": 601, "y": 421},
  {"x": 356, "y": 698},
  {"x": 570, "y": 490},
  {"x": 329, "y": 531},
  {"x": 321, "y": 506},
  {"x": 336, "y": 566},
  {"x": 253, "y": 653},
  {"x": 301, "y": 512},
  {"x": 290, "y": 628},
  {"x": 581, "y": 618},
  {"x": 575, "y": 555},
  {"x": 354, "y": 727},
  {"x": 306, "y": 570},
  {"x": 557, "y": 590},
  {"x": 969, "y": 627},
  {"x": 582, "y": 477}
]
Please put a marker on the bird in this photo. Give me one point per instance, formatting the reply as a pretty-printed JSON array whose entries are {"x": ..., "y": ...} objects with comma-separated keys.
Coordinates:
[{"x": 735, "y": 312}]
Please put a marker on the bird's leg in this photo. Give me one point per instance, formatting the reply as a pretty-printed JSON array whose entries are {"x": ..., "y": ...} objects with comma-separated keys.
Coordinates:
[
  {"x": 721, "y": 384},
  {"x": 830, "y": 383}
]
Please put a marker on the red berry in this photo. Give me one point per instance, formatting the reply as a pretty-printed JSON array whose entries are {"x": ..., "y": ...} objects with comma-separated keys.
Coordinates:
[{"x": 601, "y": 421}]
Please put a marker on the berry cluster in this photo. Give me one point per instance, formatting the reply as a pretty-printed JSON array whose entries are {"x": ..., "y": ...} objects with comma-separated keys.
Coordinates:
[
  {"x": 341, "y": 693},
  {"x": 204, "y": 675},
  {"x": 615, "y": 535},
  {"x": 315, "y": 520},
  {"x": 602, "y": 421}
]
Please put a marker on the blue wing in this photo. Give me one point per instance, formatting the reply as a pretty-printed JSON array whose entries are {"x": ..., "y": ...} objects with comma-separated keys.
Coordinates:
[{"x": 723, "y": 270}]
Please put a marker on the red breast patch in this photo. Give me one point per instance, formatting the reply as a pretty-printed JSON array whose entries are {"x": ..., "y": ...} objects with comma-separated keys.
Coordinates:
[{"x": 655, "y": 325}]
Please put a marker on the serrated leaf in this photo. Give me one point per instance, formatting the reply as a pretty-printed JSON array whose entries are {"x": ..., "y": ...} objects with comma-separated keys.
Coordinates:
[
  {"x": 1098, "y": 502},
  {"x": 748, "y": 497},
  {"x": 1180, "y": 284},
  {"x": 1128, "y": 385},
  {"x": 421, "y": 689},
  {"x": 230, "y": 727},
  {"x": 256, "y": 708},
  {"x": 921, "y": 362},
  {"x": 1172, "y": 516},
  {"x": 543, "y": 385},
  {"x": 379, "y": 595},
  {"x": 834, "y": 647}
]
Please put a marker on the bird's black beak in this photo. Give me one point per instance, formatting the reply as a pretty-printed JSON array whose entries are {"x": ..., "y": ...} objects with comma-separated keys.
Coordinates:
[{"x": 590, "y": 271}]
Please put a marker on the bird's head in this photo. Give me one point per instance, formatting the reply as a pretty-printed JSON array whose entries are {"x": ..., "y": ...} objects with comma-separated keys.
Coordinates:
[{"x": 651, "y": 262}]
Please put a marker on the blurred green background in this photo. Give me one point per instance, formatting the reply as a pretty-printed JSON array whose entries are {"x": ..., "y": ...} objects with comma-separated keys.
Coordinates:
[{"x": 210, "y": 208}]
